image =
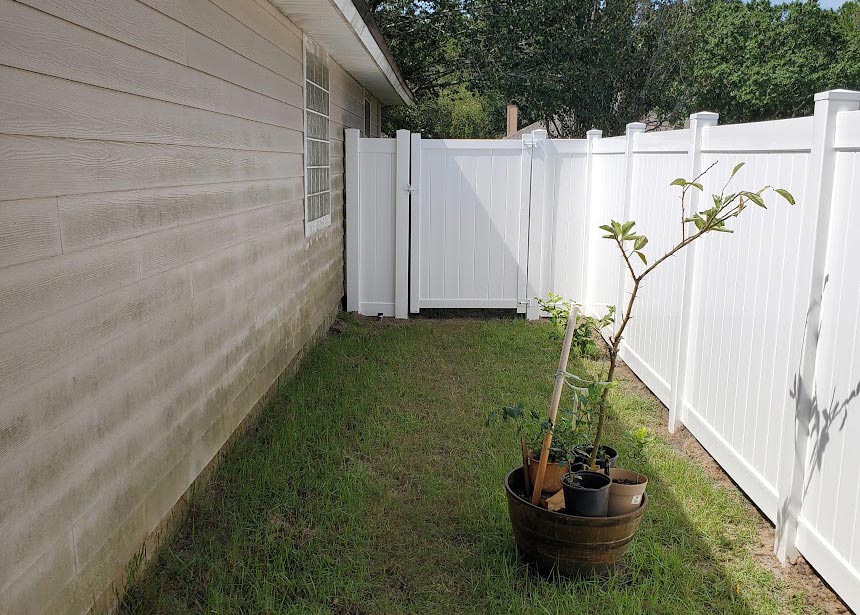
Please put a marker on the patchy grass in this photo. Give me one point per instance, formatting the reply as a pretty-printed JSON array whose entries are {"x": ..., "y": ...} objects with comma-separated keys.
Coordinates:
[{"x": 372, "y": 486}]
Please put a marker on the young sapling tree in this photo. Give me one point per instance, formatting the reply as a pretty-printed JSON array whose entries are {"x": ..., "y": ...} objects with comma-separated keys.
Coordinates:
[{"x": 630, "y": 244}]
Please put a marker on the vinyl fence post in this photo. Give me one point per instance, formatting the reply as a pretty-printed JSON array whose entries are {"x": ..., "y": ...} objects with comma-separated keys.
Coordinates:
[
  {"x": 415, "y": 224},
  {"x": 353, "y": 219},
  {"x": 680, "y": 352},
  {"x": 592, "y": 136},
  {"x": 401, "y": 226},
  {"x": 633, "y": 129},
  {"x": 815, "y": 204},
  {"x": 537, "y": 213}
]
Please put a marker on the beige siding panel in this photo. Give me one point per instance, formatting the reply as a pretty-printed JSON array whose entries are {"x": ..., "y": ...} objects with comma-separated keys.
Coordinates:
[
  {"x": 344, "y": 102},
  {"x": 90, "y": 456},
  {"x": 34, "y": 290},
  {"x": 277, "y": 15},
  {"x": 336, "y": 166},
  {"x": 245, "y": 103},
  {"x": 206, "y": 55},
  {"x": 38, "y": 349},
  {"x": 345, "y": 119},
  {"x": 40, "y": 105},
  {"x": 35, "y": 41},
  {"x": 129, "y": 21},
  {"x": 175, "y": 247},
  {"x": 207, "y": 273},
  {"x": 211, "y": 21},
  {"x": 180, "y": 445},
  {"x": 271, "y": 25},
  {"x": 51, "y": 402},
  {"x": 29, "y": 594},
  {"x": 89, "y": 220},
  {"x": 342, "y": 81},
  {"x": 29, "y": 230},
  {"x": 91, "y": 452},
  {"x": 247, "y": 344},
  {"x": 42, "y": 166},
  {"x": 119, "y": 161}
]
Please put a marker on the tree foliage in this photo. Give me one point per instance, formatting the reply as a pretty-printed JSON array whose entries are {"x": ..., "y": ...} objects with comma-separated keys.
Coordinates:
[
  {"x": 578, "y": 64},
  {"x": 426, "y": 38},
  {"x": 759, "y": 61}
]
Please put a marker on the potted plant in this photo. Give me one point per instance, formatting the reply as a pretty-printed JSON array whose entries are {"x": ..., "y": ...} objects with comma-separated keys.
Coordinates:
[
  {"x": 531, "y": 427},
  {"x": 627, "y": 489},
  {"x": 573, "y": 544},
  {"x": 586, "y": 493}
]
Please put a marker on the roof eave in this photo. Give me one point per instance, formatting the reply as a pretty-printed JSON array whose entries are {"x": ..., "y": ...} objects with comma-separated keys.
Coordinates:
[{"x": 345, "y": 28}]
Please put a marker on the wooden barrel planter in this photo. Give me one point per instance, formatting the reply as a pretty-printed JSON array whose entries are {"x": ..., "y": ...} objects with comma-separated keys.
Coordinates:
[{"x": 565, "y": 544}]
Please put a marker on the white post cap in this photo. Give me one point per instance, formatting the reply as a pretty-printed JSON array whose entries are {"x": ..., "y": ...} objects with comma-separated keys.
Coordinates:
[
  {"x": 708, "y": 116},
  {"x": 848, "y": 95}
]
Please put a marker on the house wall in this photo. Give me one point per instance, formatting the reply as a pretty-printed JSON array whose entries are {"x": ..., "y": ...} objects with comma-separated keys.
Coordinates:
[{"x": 155, "y": 279}]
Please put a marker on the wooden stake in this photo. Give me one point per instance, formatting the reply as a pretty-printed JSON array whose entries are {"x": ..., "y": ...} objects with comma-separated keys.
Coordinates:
[
  {"x": 553, "y": 407},
  {"x": 525, "y": 450}
]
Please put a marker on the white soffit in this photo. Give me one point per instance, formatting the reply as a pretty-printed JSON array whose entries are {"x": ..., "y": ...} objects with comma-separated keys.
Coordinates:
[{"x": 341, "y": 30}]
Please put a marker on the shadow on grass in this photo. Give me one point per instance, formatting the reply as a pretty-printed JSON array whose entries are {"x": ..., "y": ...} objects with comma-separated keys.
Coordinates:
[{"x": 372, "y": 486}]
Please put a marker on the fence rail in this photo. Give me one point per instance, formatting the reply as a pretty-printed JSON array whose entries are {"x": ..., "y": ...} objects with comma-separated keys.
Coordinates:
[{"x": 752, "y": 340}]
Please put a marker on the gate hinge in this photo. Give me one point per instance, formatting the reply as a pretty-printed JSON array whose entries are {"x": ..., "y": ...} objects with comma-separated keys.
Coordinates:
[
  {"x": 410, "y": 188},
  {"x": 524, "y": 302}
]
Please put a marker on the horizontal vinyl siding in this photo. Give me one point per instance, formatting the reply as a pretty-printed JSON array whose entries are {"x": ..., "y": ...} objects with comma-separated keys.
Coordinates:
[{"x": 155, "y": 278}]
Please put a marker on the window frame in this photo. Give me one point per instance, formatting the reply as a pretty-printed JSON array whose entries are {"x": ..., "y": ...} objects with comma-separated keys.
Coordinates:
[
  {"x": 368, "y": 115},
  {"x": 309, "y": 45}
]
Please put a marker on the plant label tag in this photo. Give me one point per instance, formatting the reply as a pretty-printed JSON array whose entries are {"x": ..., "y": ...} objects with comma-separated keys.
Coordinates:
[{"x": 637, "y": 499}]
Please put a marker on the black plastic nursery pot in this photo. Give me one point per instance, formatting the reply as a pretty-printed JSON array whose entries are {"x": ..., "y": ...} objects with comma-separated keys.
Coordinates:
[
  {"x": 603, "y": 451},
  {"x": 586, "y": 493},
  {"x": 568, "y": 545}
]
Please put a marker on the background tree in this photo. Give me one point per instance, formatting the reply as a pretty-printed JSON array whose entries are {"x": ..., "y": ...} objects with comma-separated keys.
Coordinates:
[
  {"x": 578, "y": 64},
  {"x": 757, "y": 61},
  {"x": 426, "y": 39}
]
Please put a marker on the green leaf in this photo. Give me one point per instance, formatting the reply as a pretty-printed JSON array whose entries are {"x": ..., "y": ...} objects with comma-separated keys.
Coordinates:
[
  {"x": 679, "y": 182},
  {"x": 785, "y": 194},
  {"x": 697, "y": 185},
  {"x": 735, "y": 170},
  {"x": 640, "y": 243},
  {"x": 642, "y": 256},
  {"x": 607, "y": 228},
  {"x": 609, "y": 236},
  {"x": 755, "y": 198},
  {"x": 625, "y": 228}
]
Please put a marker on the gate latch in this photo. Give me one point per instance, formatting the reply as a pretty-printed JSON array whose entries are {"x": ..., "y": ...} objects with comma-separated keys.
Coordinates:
[{"x": 410, "y": 188}]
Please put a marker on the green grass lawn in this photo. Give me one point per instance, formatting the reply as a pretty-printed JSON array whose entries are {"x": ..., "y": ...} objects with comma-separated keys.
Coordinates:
[{"x": 373, "y": 486}]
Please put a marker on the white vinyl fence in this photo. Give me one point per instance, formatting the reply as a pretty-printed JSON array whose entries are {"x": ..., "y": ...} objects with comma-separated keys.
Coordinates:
[{"x": 752, "y": 340}]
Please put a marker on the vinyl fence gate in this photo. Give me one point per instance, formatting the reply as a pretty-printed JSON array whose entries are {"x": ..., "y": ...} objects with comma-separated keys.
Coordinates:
[{"x": 439, "y": 223}]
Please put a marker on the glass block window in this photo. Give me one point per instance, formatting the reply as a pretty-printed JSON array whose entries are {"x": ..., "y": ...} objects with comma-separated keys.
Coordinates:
[{"x": 317, "y": 165}]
